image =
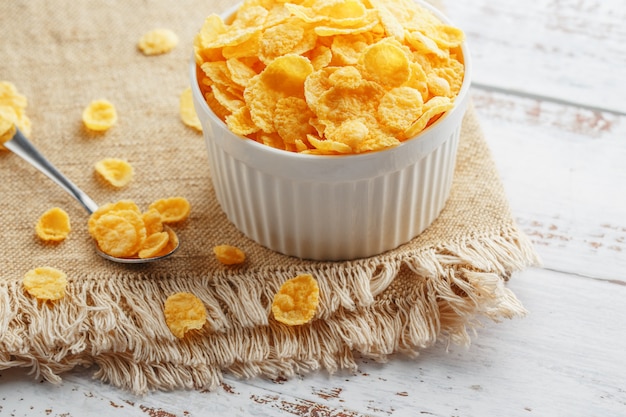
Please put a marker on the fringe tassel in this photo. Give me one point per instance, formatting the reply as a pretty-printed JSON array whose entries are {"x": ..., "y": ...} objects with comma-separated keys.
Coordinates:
[{"x": 373, "y": 308}]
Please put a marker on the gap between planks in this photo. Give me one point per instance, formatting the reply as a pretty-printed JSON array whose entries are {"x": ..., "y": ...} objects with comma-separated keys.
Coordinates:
[{"x": 545, "y": 98}]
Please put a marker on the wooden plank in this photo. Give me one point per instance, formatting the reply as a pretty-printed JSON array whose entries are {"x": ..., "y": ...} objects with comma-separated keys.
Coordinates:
[
  {"x": 569, "y": 50},
  {"x": 555, "y": 362},
  {"x": 564, "y": 173}
]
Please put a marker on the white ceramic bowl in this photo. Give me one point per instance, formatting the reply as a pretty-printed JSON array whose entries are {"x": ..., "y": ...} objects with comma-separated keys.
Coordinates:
[{"x": 333, "y": 207}]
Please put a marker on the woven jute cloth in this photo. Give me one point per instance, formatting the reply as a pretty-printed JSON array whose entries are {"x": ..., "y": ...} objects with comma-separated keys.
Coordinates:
[{"x": 63, "y": 54}]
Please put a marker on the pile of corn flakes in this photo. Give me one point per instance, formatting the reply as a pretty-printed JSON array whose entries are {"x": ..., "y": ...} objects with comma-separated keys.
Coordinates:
[
  {"x": 329, "y": 76},
  {"x": 122, "y": 230}
]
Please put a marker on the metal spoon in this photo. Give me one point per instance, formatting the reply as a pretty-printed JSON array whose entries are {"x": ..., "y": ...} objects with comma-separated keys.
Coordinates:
[{"x": 22, "y": 147}]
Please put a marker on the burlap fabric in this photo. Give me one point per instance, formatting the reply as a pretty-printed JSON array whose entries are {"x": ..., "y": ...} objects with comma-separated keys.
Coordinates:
[{"x": 62, "y": 55}]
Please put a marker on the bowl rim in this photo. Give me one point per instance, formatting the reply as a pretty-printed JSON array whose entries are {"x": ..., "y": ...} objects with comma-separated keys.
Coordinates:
[{"x": 424, "y": 142}]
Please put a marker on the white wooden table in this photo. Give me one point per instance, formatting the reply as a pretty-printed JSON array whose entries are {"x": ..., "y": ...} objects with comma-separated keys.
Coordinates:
[{"x": 550, "y": 90}]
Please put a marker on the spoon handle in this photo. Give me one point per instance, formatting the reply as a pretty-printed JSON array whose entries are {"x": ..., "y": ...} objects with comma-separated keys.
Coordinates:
[{"x": 22, "y": 147}]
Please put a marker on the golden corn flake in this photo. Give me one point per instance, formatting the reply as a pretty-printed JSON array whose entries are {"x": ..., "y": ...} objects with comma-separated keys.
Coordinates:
[
  {"x": 183, "y": 312},
  {"x": 99, "y": 115},
  {"x": 110, "y": 208},
  {"x": 172, "y": 242},
  {"x": 152, "y": 221},
  {"x": 369, "y": 23},
  {"x": 320, "y": 56},
  {"x": 157, "y": 41},
  {"x": 8, "y": 120},
  {"x": 153, "y": 245},
  {"x": 228, "y": 97},
  {"x": 280, "y": 40},
  {"x": 329, "y": 146},
  {"x": 296, "y": 301},
  {"x": 347, "y": 49},
  {"x": 271, "y": 140},
  {"x": 12, "y": 112},
  {"x": 229, "y": 255},
  {"x": 117, "y": 235},
  {"x": 9, "y": 96},
  {"x": 329, "y": 76},
  {"x": 389, "y": 20},
  {"x": 239, "y": 71},
  {"x": 45, "y": 283},
  {"x": 116, "y": 172},
  {"x": 351, "y": 133},
  {"x": 187, "y": 111},
  {"x": 283, "y": 77},
  {"x": 53, "y": 225},
  {"x": 399, "y": 106},
  {"x": 291, "y": 119},
  {"x": 434, "y": 107},
  {"x": 241, "y": 123},
  {"x": 386, "y": 62},
  {"x": 172, "y": 209}
]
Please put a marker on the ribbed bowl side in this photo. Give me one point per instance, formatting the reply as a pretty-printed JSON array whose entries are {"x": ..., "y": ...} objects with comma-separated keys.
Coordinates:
[{"x": 334, "y": 220}]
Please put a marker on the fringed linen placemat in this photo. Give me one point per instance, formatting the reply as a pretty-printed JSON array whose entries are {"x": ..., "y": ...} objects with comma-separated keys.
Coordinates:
[{"x": 62, "y": 55}]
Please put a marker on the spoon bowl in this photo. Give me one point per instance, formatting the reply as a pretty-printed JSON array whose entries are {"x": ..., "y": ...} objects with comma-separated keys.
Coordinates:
[{"x": 23, "y": 148}]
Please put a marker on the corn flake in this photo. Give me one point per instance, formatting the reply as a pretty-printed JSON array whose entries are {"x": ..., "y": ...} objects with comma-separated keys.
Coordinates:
[
  {"x": 157, "y": 41},
  {"x": 291, "y": 119},
  {"x": 152, "y": 221},
  {"x": 240, "y": 72},
  {"x": 241, "y": 123},
  {"x": 153, "y": 245},
  {"x": 329, "y": 146},
  {"x": 296, "y": 301},
  {"x": 172, "y": 209},
  {"x": 117, "y": 235},
  {"x": 99, "y": 115},
  {"x": 432, "y": 108},
  {"x": 388, "y": 19},
  {"x": 183, "y": 312},
  {"x": 8, "y": 120},
  {"x": 10, "y": 96},
  {"x": 187, "y": 110},
  {"x": 53, "y": 225},
  {"x": 122, "y": 230},
  {"x": 283, "y": 77},
  {"x": 231, "y": 99},
  {"x": 12, "y": 112},
  {"x": 280, "y": 40},
  {"x": 347, "y": 49},
  {"x": 271, "y": 139},
  {"x": 400, "y": 107},
  {"x": 111, "y": 208},
  {"x": 229, "y": 255},
  {"x": 116, "y": 172},
  {"x": 352, "y": 132},
  {"x": 172, "y": 242},
  {"x": 45, "y": 283},
  {"x": 386, "y": 63}
]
